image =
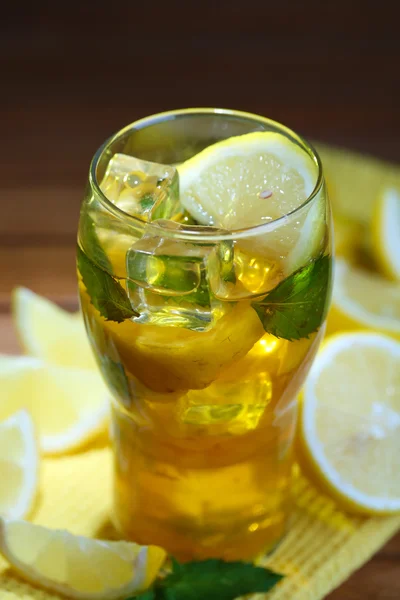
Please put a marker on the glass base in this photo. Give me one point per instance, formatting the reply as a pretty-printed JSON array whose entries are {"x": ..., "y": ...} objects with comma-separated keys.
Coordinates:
[
  {"x": 192, "y": 540},
  {"x": 202, "y": 497}
]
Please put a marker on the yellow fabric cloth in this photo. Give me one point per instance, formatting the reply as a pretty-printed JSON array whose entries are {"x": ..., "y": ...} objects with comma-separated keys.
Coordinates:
[{"x": 323, "y": 545}]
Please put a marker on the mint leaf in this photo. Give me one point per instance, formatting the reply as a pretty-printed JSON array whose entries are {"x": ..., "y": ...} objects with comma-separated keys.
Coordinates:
[
  {"x": 227, "y": 265},
  {"x": 297, "y": 306},
  {"x": 146, "y": 202},
  {"x": 212, "y": 580},
  {"x": 90, "y": 239},
  {"x": 149, "y": 595},
  {"x": 201, "y": 296},
  {"x": 106, "y": 293}
]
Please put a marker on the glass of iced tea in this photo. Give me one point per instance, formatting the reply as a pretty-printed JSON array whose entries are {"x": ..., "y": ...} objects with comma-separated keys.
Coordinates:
[{"x": 204, "y": 265}]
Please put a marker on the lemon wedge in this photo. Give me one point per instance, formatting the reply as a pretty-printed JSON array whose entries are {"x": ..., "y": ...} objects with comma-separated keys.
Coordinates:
[
  {"x": 76, "y": 566},
  {"x": 350, "y": 421},
  {"x": 254, "y": 179},
  {"x": 363, "y": 300},
  {"x": 49, "y": 332},
  {"x": 172, "y": 359},
  {"x": 69, "y": 406},
  {"x": 386, "y": 232},
  {"x": 19, "y": 465}
]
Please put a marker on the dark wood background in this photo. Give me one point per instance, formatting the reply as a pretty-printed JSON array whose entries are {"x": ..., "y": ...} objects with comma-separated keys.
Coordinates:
[{"x": 73, "y": 73}]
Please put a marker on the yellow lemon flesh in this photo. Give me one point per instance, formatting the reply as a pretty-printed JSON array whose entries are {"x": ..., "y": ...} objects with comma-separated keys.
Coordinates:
[
  {"x": 69, "y": 406},
  {"x": 19, "y": 465},
  {"x": 76, "y": 566},
  {"x": 49, "y": 332},
  {"x": 350, "y": 421},
  {"x": 363, "y": 300}
]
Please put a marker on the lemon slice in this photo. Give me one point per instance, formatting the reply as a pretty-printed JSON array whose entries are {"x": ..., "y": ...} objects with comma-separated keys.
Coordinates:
[
  {"x": 48, "y": 332},
  {"x": 69, "y": 406},
  {"x": 348, "y": 237},
  {"x": 386, "y": 232},
  {"x": 228, "y": 183},
  {"x": 253, "y": 179},
  {"x": 172, "y": 359},
  {"x": 350, "y": 421},
  {"x": 363, "y": 300},
  {"x": 19, "y": 465},
  {"x": 77, "y": 566}
]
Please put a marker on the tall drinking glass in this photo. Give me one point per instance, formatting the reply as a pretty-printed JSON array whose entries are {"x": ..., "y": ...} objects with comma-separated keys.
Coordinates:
[{"x": 203, "y": 333}]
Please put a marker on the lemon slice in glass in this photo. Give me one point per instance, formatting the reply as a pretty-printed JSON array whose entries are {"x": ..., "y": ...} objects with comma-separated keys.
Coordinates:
[
  {"x": 76, "y": 566},
  {"x": 246, "y": 180},
  {"x": 171, "y": 359},
  {"x": 254, "y": 179},
  {"x": 350, "y": 421}
]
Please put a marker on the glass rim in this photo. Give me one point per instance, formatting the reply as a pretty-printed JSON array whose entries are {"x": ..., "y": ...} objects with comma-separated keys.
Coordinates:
[{"x": 196, "y": 232}]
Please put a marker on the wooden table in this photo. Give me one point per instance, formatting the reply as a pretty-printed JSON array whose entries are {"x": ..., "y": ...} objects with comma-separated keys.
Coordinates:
[{"x": 328, "y": 70}]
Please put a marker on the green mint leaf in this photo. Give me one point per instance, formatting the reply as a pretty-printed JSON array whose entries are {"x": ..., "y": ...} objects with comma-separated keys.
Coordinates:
[
  {"x": 147, "y": 202},
  {"x": 106, "y": 293},
  {"x": 297, "y": 306},
  {"x": 201, "y": 296},
  {"x": 90, "y": 240},
  {"x": 229, "y": 276},
  {"x": 227, "y": 265},
  {"x": 214, "y": 580},
  {"x": 177, "y": 567},
  {"x": 149, "y": 595}
]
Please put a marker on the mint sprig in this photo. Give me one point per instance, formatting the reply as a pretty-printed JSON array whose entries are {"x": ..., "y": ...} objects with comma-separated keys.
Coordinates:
[
  {"x": 146, "y": 202},
  {"x": 211, "y": 579},
  {"x": 88, "y": 234},
  {"x": 297, "y": 306},
  {"x": 106, "y": 293}
]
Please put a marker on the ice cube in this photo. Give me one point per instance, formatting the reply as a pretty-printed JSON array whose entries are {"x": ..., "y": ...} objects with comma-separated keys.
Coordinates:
[
  {"x": 165, "y": 266},
  {"x": 226, "y": 408},
  {"x": 142, "y": 188},
  {"x": 168, "y": 281},
  {"x": 235, "y": 274}
]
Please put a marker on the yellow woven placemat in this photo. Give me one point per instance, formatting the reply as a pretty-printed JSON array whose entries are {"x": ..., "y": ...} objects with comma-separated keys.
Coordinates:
[{"x": 323, "y": 545}]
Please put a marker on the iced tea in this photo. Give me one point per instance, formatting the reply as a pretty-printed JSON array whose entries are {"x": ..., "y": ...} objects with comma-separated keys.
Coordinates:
[{"x": 203, "y": 326}]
